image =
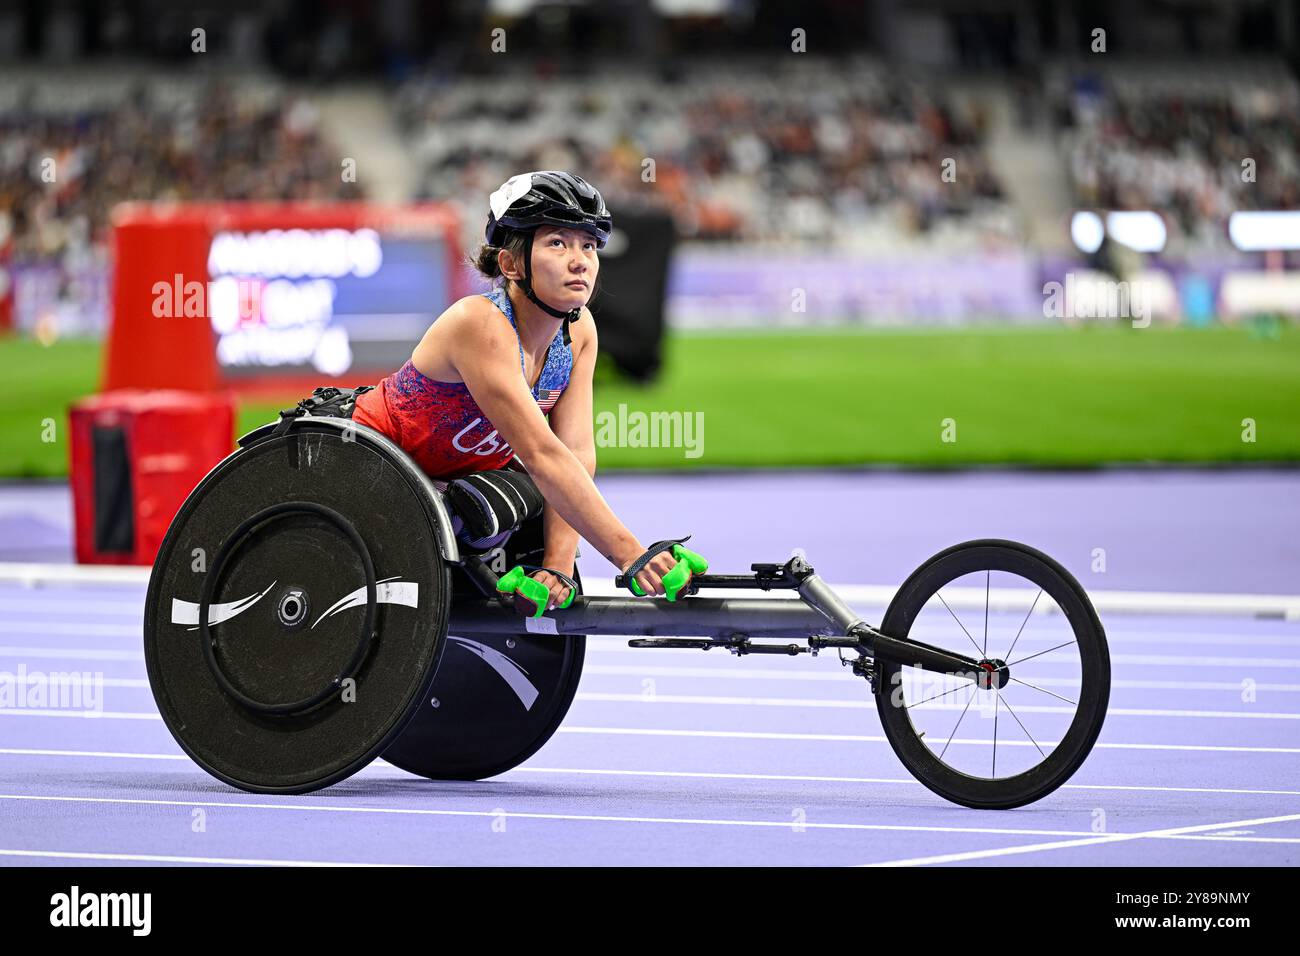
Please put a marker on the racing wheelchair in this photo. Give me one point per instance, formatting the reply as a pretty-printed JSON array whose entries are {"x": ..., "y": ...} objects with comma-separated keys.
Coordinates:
[{"x": 311, "y": 609}]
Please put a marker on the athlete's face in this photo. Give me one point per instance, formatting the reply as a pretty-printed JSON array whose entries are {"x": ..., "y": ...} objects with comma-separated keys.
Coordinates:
[{"x": 565, "y": 263}]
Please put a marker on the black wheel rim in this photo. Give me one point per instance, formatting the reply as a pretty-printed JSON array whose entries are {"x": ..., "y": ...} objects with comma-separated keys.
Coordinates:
[{"x": 279, "y": 656}]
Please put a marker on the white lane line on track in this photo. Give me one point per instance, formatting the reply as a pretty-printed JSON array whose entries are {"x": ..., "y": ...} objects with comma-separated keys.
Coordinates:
[
  {"x": 383, "y": 766},
  {"x": 67, "y": 615},
  {"x": 814, "y": 778},
  {"x": 160, "y": 858},
  {"x": 1167, "y": 660},
  {"x": 1230, "y": 839},
  {"x": 724, "y": 672},
  {"x": 72, "y": 653},
  {"x": 1068, "y": 844},
  {"x": 1173, "y": 834},
  {"x": 140, "y": 683},
  {"x": 46, "y": 607},
  {"x": 864, "y": 738},
  {"x": 727, "y": 734},
  {"x": 1286, "y": 606},
  {"x": 1115, "y": 637},
  {"x": 798, "y": 673},
  {"x": 532, "y": 815},
  {"x": 593, "y": 647},
  {"x": 874, "y": 595},
  {"x": 74, "y": 679},
  {"x": 1234, "y": 687},
  {"x": 103, "y": 754},
  {"x": 869, "y": 704},
  {"x": 82, "y": 714},
  {"x": 30, "y": 573},
  {"x": 75, "y": 624},
  {"x": 71, "y": 629}
]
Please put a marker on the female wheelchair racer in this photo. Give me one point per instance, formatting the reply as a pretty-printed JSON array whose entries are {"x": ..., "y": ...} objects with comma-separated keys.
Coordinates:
[{"x": 462, "y": 409}]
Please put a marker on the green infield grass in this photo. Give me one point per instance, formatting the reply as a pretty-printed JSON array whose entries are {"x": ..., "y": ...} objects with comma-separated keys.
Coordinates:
[{"x": 1042, "y": 397}]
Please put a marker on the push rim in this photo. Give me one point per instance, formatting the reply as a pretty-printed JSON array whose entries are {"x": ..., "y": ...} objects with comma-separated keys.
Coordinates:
[{"x": 231, "y": 545}]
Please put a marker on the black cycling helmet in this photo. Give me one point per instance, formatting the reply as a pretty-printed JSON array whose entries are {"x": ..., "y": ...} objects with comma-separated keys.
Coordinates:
[{"x": 547, "y": 197}]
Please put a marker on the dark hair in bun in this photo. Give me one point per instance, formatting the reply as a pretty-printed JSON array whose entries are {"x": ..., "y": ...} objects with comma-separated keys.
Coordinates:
[{"x": 485, "y": 262}]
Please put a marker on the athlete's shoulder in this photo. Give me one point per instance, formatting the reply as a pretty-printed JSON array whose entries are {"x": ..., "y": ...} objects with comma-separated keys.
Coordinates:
[
  {"x": 469, "y": 306},
  {"x": 583, "y": 332},
  {"x": 476, "y": 318}
]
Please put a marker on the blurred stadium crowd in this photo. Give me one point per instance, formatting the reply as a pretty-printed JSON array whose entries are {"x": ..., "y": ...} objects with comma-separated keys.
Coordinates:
[
  {"x": 65, "y": 165},
  {"x": 62, "y": 171},
  {"x": 823, "y": 152},
  {"x": 1176, "y": 143},
  {"x": 816, "y": 153},
  {"x": 843, "y": 151}
]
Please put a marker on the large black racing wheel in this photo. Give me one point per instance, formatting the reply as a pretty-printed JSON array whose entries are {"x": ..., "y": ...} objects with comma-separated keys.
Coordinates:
[
  {"x": 1019, "y": 732},
  {"x": 496, "y": 699},
  {"x": 298, "y": 608}
]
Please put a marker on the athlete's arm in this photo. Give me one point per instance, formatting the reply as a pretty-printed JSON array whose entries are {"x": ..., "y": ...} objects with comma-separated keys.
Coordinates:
[
  {"x": 570, "y": 420},
  {"x": 485, "y": 354}
]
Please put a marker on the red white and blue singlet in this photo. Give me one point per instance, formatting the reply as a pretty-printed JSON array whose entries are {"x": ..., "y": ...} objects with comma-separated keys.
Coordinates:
[{"x": 440, "y": 425}]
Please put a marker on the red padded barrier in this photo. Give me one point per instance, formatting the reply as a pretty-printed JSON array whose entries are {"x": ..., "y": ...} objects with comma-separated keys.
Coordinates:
[{"x": 136, "y": 455}]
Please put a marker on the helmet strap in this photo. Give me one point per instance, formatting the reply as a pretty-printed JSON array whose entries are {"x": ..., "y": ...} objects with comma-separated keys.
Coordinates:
[{"x": 527, "y": 285}]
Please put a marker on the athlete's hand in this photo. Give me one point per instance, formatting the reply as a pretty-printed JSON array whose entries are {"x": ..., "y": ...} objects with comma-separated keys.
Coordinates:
[
  {"x": 651, "y": 577},
  {"x": 559, "y": 590}
]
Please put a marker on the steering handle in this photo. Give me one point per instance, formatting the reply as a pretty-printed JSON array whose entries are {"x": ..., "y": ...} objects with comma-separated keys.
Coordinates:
[{"x": 675, "y": 581}]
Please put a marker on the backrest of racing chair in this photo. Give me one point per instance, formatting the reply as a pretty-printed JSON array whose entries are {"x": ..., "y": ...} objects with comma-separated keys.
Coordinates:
[
  {"x": 324, "y": 402},
  {"x": 337, "y": 402}
]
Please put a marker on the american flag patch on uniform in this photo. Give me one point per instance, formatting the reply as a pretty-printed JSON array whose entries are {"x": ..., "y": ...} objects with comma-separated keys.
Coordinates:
[{"x": 547, "y": 397}]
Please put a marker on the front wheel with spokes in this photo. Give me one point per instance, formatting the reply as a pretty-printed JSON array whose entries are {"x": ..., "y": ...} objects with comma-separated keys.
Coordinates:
[{"x": 1033, "y": 711}]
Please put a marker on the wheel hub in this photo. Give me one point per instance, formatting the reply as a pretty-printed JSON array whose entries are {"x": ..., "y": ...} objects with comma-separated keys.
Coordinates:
[
  {"x": 993, "y": 674},
  {"x": 292, "y": 608}
]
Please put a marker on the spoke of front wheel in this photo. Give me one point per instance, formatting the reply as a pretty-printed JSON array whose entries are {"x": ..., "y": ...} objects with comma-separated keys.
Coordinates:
[
  {"x": 1048, "y": 692},
  {"x": 1022, "y": 726},
  {"x": 954, "y": 730},
  {"x": 935, "y": 697},
  {"x": 958, "y": 620},
  {"x": 1040, "y": 654},
  {"x": 985, "y": 651},
  {"x": 1022, "y": 624},
  {"x": 996, "y": 698}
]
